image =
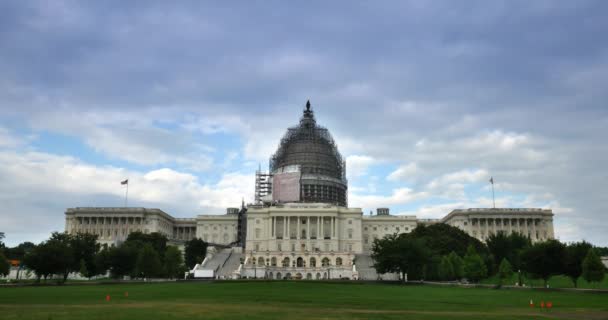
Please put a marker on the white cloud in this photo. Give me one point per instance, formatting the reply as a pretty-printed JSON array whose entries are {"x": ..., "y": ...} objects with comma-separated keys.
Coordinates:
[
  {"x": 399, "y": 196},
  {"x": 43, "y": 185},
  {"x": 357, "y": 165},
  {"x": 404, "y": 173}
]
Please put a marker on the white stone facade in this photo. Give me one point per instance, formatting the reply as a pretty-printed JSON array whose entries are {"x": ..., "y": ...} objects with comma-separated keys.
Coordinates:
[
  {"x": 300, "y": 240},
  {"x": 536, "y": 224}
]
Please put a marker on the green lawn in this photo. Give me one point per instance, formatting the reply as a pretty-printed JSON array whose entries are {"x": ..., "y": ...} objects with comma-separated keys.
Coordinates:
[
  {"x": 291, "y": 300},
  {"x": 554, "y": 282}
]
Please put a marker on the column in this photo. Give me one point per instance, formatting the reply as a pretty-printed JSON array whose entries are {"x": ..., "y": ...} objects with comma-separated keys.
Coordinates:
[
  {"x": 288, "y": 227},
  {"x": 298, "y": 233},
  {"x": 308, "y": 228},
  {"x": 284, "y": 227},
  {"x": 322, "y": 227},
  {"x": 274, "y": 227},
  {"x": 318, "y": 227},
  {"x": 331, "y": 232}
]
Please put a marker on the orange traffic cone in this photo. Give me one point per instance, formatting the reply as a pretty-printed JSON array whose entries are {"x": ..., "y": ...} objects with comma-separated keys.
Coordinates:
[
  {"x": 108, "y": 298},
  {"x": 542, "y": 304},
  {"x": 531, "y": 303},
  {"x": 549, "y": 305}
]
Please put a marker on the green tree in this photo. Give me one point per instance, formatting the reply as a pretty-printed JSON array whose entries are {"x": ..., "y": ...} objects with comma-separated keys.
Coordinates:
[
  {"x": 83, "y": 269},
  {"x": 121, "y": 260},
  {"x": 5, "y": 266},
  {"x": 446, "y": 269},
  {"x": 173, "y": 262},
  {"x": 148, "y": 262},
  {"x": 593, "y": 268},
  {"x": 442, "y": 239},
  {"x": 505, "y": 271},
  {"x": 574, "y": 255},
  {"x": 502, "y": 246},
  {"x": 195, "y": 252},
  {"x": 543, "y": 259},
  {"x": 84, "y": 247},
  {"x": 474, "y": 267},
  {"x": 157, "y": 240},
  {"x": 49, "y": 258},
  {"x": 457, "y": 264},
  {"x": 400, "y": 254},
  {"x": 19, "y": 251}
]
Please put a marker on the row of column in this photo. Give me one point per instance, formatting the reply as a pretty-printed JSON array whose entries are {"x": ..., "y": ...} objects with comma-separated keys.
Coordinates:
[
  {"x": 286, "y": 227},
  {"x": 525, "y": 228},
  {"x": 108, "y": 220}
]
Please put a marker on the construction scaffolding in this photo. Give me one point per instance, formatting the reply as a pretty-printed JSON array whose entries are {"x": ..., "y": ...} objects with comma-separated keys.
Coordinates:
[
  {"x": 263, "y": 185},
  {"x": 312, "y": 148}
]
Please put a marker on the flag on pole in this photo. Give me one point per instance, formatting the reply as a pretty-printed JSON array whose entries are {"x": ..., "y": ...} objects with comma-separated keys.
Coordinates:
[
  {"x": 125, "y": 182},
  {"x": 492, "y": 180}
]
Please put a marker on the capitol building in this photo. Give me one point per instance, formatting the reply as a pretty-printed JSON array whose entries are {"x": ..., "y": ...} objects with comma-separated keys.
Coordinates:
[{"x": 300, "y": 225}]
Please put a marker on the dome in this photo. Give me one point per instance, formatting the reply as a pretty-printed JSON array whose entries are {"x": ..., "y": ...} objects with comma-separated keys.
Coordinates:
[{"x": 311, "y": 149}]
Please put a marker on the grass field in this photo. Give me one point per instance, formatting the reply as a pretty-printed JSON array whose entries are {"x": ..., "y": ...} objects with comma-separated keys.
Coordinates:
[
  {"x": 554, "y": 282},
  {"x": 291, "y": 300}
]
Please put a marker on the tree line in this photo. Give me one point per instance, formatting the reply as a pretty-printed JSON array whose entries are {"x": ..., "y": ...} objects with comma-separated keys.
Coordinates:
[
  {"x": 446, "y": 253},
  {"x": 139, "y": 256}
]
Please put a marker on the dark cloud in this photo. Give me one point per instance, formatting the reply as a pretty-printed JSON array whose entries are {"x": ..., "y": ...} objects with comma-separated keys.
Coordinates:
[{"x": 382, "y": 78}]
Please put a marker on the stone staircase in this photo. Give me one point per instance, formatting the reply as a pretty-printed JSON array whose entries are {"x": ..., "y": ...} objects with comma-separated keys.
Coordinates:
[
  {"x": 365, "y": 266},
  {"x": 226, "y": 271},
  {"x": 216, "y": 261}
]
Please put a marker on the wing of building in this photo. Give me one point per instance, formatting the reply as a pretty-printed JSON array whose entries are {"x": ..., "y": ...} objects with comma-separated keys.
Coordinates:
[{"x": 300, "y": 225}]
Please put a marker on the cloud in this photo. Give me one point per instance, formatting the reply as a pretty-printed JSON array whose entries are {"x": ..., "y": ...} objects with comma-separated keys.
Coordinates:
[
  {"x": 357, "y": 165},
  {"x": 398, "y": 196},
  {"x": 103, "y": 74},
  {"x": 404, "y": 172},
  {"x": 59, "y": 182}
]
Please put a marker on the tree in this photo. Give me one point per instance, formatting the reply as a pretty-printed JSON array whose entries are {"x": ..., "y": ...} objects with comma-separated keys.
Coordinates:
[
  {"x": 543, "y": 259},
  {"x": 157, "y": 240},
  {"x": 49, "y": 258},
  {"x": 593, "y": 268},
  {"x": 5, "y": 266},
  {"x": 574, "y": 255},
  {"x": 474, "y": 267},
  {"x": 121, "y": 260},
  {"x": 400, "y": 254},
  {"x": 446, "y": 269},
  {"x": 84, "y": 247},
  {"x": 195, "y": 252},
  {"x": 148, "y": 262},
  {"x": 18, "y": 252},
  {"x": 502, "y": 246},
  {"x": 83, "y": 269},
  {"x": 457, "y": 264},
  {"x": 173, "y": 262},
  {"x": 442, "y": 239},
  {"x": 505, "y": 271}
]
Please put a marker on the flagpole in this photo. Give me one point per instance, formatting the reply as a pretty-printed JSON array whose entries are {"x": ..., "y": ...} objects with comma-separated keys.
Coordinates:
[
  {"x": 127, "y": 195},
  {"x": 493, "y": 198}
]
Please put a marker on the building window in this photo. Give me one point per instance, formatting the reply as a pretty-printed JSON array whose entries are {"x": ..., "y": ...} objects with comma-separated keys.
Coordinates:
[{"x": 350, "y": 221}]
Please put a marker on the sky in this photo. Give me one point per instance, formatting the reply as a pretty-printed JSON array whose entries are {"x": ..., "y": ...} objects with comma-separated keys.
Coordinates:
[{"x": 426, "y": 100}]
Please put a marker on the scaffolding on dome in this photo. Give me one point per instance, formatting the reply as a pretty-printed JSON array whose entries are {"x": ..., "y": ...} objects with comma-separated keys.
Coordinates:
[
  {"x": 316, "y": 147},
  {"x": 312, "y": 149}
]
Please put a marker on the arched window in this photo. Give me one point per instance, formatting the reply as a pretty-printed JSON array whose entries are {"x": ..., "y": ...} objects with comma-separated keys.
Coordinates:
[
  {"x": 325, "y": 262},
  {"x": 285, "y": 262},
  {"x": 273, "y": 261},
  {"x": 261, "y": 261},
  {"x": 338, "y": 261},
  {"x": 313, "y": 262},
  {"x": 300, "y": 262}
]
